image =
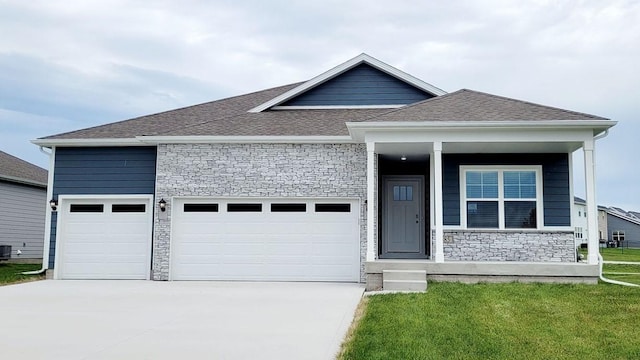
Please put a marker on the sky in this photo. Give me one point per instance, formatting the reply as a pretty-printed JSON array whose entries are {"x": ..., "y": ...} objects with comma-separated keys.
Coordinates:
[{"x": 72, "y": 64}]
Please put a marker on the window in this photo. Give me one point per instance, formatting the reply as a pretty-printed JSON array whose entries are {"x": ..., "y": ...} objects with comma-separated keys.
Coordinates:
[
  {"x": 87, "y": 208},
  {"x": 200, "y": 207},
  {"x": 500, "y": 198},
  {"x": 244, "y": 207},
  {"x": 333, "y": 207},
  {"x": 578, "y": 232},
  {"x": 288, "y": 207},
  {"x": 403, "y": 193},
  {"x": 617, "y": 236},
  {"x": 128, "y": 208}
]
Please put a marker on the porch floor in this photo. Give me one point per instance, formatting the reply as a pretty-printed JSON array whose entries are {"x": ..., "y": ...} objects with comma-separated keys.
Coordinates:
[{"x": 485, "y": 271}]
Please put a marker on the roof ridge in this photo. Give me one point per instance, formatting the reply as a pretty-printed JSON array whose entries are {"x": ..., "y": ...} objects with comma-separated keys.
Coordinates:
[{"x": 170, "y": 110}]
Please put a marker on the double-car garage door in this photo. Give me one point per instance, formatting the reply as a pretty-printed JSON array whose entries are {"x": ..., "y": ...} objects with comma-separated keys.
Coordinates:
[
  {"x": 283, "y": 240},
  {"x": 212, "y": 239}
]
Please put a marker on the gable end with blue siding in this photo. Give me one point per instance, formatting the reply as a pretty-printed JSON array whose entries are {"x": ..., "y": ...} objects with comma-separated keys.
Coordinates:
[{"x": 361, "y": 85}]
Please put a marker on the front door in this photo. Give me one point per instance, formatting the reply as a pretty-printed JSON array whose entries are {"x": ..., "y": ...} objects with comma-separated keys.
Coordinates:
[{"x": 403, "y": 217}]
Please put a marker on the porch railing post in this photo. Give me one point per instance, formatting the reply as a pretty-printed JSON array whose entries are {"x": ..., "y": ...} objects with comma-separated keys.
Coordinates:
[
  {"x": 437, "y": 200},
  {"x": 592, "y": 207},
  {"x": 371, "y": 202}
]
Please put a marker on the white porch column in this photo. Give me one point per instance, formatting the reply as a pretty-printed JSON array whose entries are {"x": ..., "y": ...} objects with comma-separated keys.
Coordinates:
[
  {"x": 437, "y": 201},
  {"x": 371, "y": 202},
  {"x": 592, "y": 206}
]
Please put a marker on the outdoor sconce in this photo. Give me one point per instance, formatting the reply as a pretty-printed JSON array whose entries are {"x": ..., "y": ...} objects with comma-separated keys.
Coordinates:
[
  {"x": 54, "y": 204},
  {"x": 163, "y": 205}
]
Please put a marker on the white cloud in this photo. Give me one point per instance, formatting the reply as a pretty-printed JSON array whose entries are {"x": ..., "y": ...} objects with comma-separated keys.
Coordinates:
[{"x": 92, "y": 61}]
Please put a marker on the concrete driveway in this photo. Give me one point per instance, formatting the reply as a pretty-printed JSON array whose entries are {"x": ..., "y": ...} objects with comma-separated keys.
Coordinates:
[{"x": 66, "y": 319}]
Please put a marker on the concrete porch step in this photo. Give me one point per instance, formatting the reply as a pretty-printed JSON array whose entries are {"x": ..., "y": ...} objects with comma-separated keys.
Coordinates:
[{"x": 404, "y": 280}]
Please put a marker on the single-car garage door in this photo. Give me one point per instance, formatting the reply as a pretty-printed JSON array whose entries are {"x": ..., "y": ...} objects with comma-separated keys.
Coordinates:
[
  {"x": 104, "y": 238},
  {"x": 265, "y": 240}
]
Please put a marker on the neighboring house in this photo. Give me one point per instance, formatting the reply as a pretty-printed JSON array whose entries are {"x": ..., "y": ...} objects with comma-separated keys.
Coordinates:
[
  {"x": 580, "y": 223},
  {"x": 623, "y": 228},
  {"x": 359, "y": 171},
  {"x": 23, "y": 195}
]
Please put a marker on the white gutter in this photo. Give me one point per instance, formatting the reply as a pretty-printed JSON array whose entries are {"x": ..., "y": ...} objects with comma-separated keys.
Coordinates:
[
  {"x": 47, "y": 218},
  {"x": 87, "y": 142},
  {"x": 616, "y": 282}
]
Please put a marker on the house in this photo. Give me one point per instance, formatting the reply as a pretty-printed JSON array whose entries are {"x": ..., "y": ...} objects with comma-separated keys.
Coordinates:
[
  {"x": 23, "y": 192},
  {"x": 580, "y": 222},
  {"x": 362, "y": 174},
  {"x": 623, "y": 228}
]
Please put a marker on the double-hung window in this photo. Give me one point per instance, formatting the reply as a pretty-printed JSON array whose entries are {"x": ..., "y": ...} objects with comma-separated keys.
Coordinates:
[{"x": 506, "y": 197}]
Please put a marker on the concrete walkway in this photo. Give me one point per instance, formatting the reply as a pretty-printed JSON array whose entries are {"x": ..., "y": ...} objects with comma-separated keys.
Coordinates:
[{"x": 58, "y": 319}]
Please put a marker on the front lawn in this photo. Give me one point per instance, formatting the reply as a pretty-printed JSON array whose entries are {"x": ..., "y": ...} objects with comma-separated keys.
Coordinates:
[
  {"x": 500, "y": 321},
  {"x": 12, "y": 273},
  {"x": 617, "y": 254}
]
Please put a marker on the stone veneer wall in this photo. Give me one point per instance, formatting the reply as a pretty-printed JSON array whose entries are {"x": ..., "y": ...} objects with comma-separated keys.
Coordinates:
[
  {"x": 506, "y": 245},
  {"x": 256, "y": 170}
]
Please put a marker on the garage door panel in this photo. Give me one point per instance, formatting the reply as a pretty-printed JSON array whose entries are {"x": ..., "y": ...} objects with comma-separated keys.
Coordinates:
[
  {"x": 104, "y": 245},
  {"x": 278, "y": 246}
]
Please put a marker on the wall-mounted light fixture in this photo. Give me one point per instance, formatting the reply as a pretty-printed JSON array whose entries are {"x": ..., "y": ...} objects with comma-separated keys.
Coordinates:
[
  {"x": 162, "y": 204},
  {"x": 54, "y": 204},
  {"x": 403, "y": 158}
]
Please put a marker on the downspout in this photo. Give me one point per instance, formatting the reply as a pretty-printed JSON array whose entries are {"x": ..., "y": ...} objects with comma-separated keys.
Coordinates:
[
  {"x": 47, "y": 221},
  {"x": 601, "y": 260}
]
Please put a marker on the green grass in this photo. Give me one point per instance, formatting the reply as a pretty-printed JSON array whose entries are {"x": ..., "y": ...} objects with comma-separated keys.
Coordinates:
[
  {"x": 617, "y": 254},
  {"x": 11, "y": 273},
  {"x": 500, "y": 321},
  {"x": 622, "y": 272}
]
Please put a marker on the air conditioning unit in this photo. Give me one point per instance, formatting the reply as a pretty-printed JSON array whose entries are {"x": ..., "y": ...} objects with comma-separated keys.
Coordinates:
[{"x": 5, "y": 252}]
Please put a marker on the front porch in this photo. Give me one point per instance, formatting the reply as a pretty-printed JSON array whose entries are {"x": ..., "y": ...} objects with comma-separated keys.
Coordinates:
[
  {"x": 488, "y": 203},
  {"x": 484, "y": 271}
]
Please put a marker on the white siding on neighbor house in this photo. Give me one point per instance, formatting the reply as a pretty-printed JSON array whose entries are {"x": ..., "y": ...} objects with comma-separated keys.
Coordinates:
[
  {"x": 580, "y": 223},
  {"x": 22, "y": 219}
]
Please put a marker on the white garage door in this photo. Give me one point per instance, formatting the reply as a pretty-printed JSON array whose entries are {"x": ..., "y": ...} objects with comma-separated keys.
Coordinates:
[
  {"x": 106, "y": 238},
  {"x": 258, "y": 239}
]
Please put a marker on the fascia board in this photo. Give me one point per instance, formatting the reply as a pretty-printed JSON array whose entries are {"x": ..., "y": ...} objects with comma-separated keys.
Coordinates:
[
  {"x": 331, "y": 73},
  {"x": 87, "y": 142},
  {"x": 358, "y": 129}
]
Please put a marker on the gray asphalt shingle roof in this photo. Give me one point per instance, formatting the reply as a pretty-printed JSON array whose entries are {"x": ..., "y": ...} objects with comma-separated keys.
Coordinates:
[
  {"x": 230, "y": 117},
  {"x": 469, "y": 105},
  {"x": 15, "y": 169}
]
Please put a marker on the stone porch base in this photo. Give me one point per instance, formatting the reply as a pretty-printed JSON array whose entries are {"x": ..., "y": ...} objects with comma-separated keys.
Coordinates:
[{"x": 485, "y": 271}]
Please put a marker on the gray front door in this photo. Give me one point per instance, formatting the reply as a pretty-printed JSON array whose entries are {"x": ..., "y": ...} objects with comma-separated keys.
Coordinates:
[{"x": 403, "y": 217}]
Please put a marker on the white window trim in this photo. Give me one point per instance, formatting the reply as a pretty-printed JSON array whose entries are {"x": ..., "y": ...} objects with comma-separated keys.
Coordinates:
[{"x": 501, "y": 169}]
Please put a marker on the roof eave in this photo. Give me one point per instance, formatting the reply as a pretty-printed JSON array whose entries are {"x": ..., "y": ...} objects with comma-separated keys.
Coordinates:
[
  {"x": 20, "y": 180},
  {"x": 358, "y": 129},
  {"x": 330, "y": 74},
  {"x": 87, "y": 142}
]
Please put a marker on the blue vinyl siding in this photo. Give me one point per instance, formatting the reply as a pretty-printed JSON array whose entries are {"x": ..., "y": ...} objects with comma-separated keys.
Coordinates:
[
  {"x": 555, "y": 183},
  {"x": 101, "y": 171},
  {"x": 362, "y": 85},
  {"x": 631, "y": 230}
]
